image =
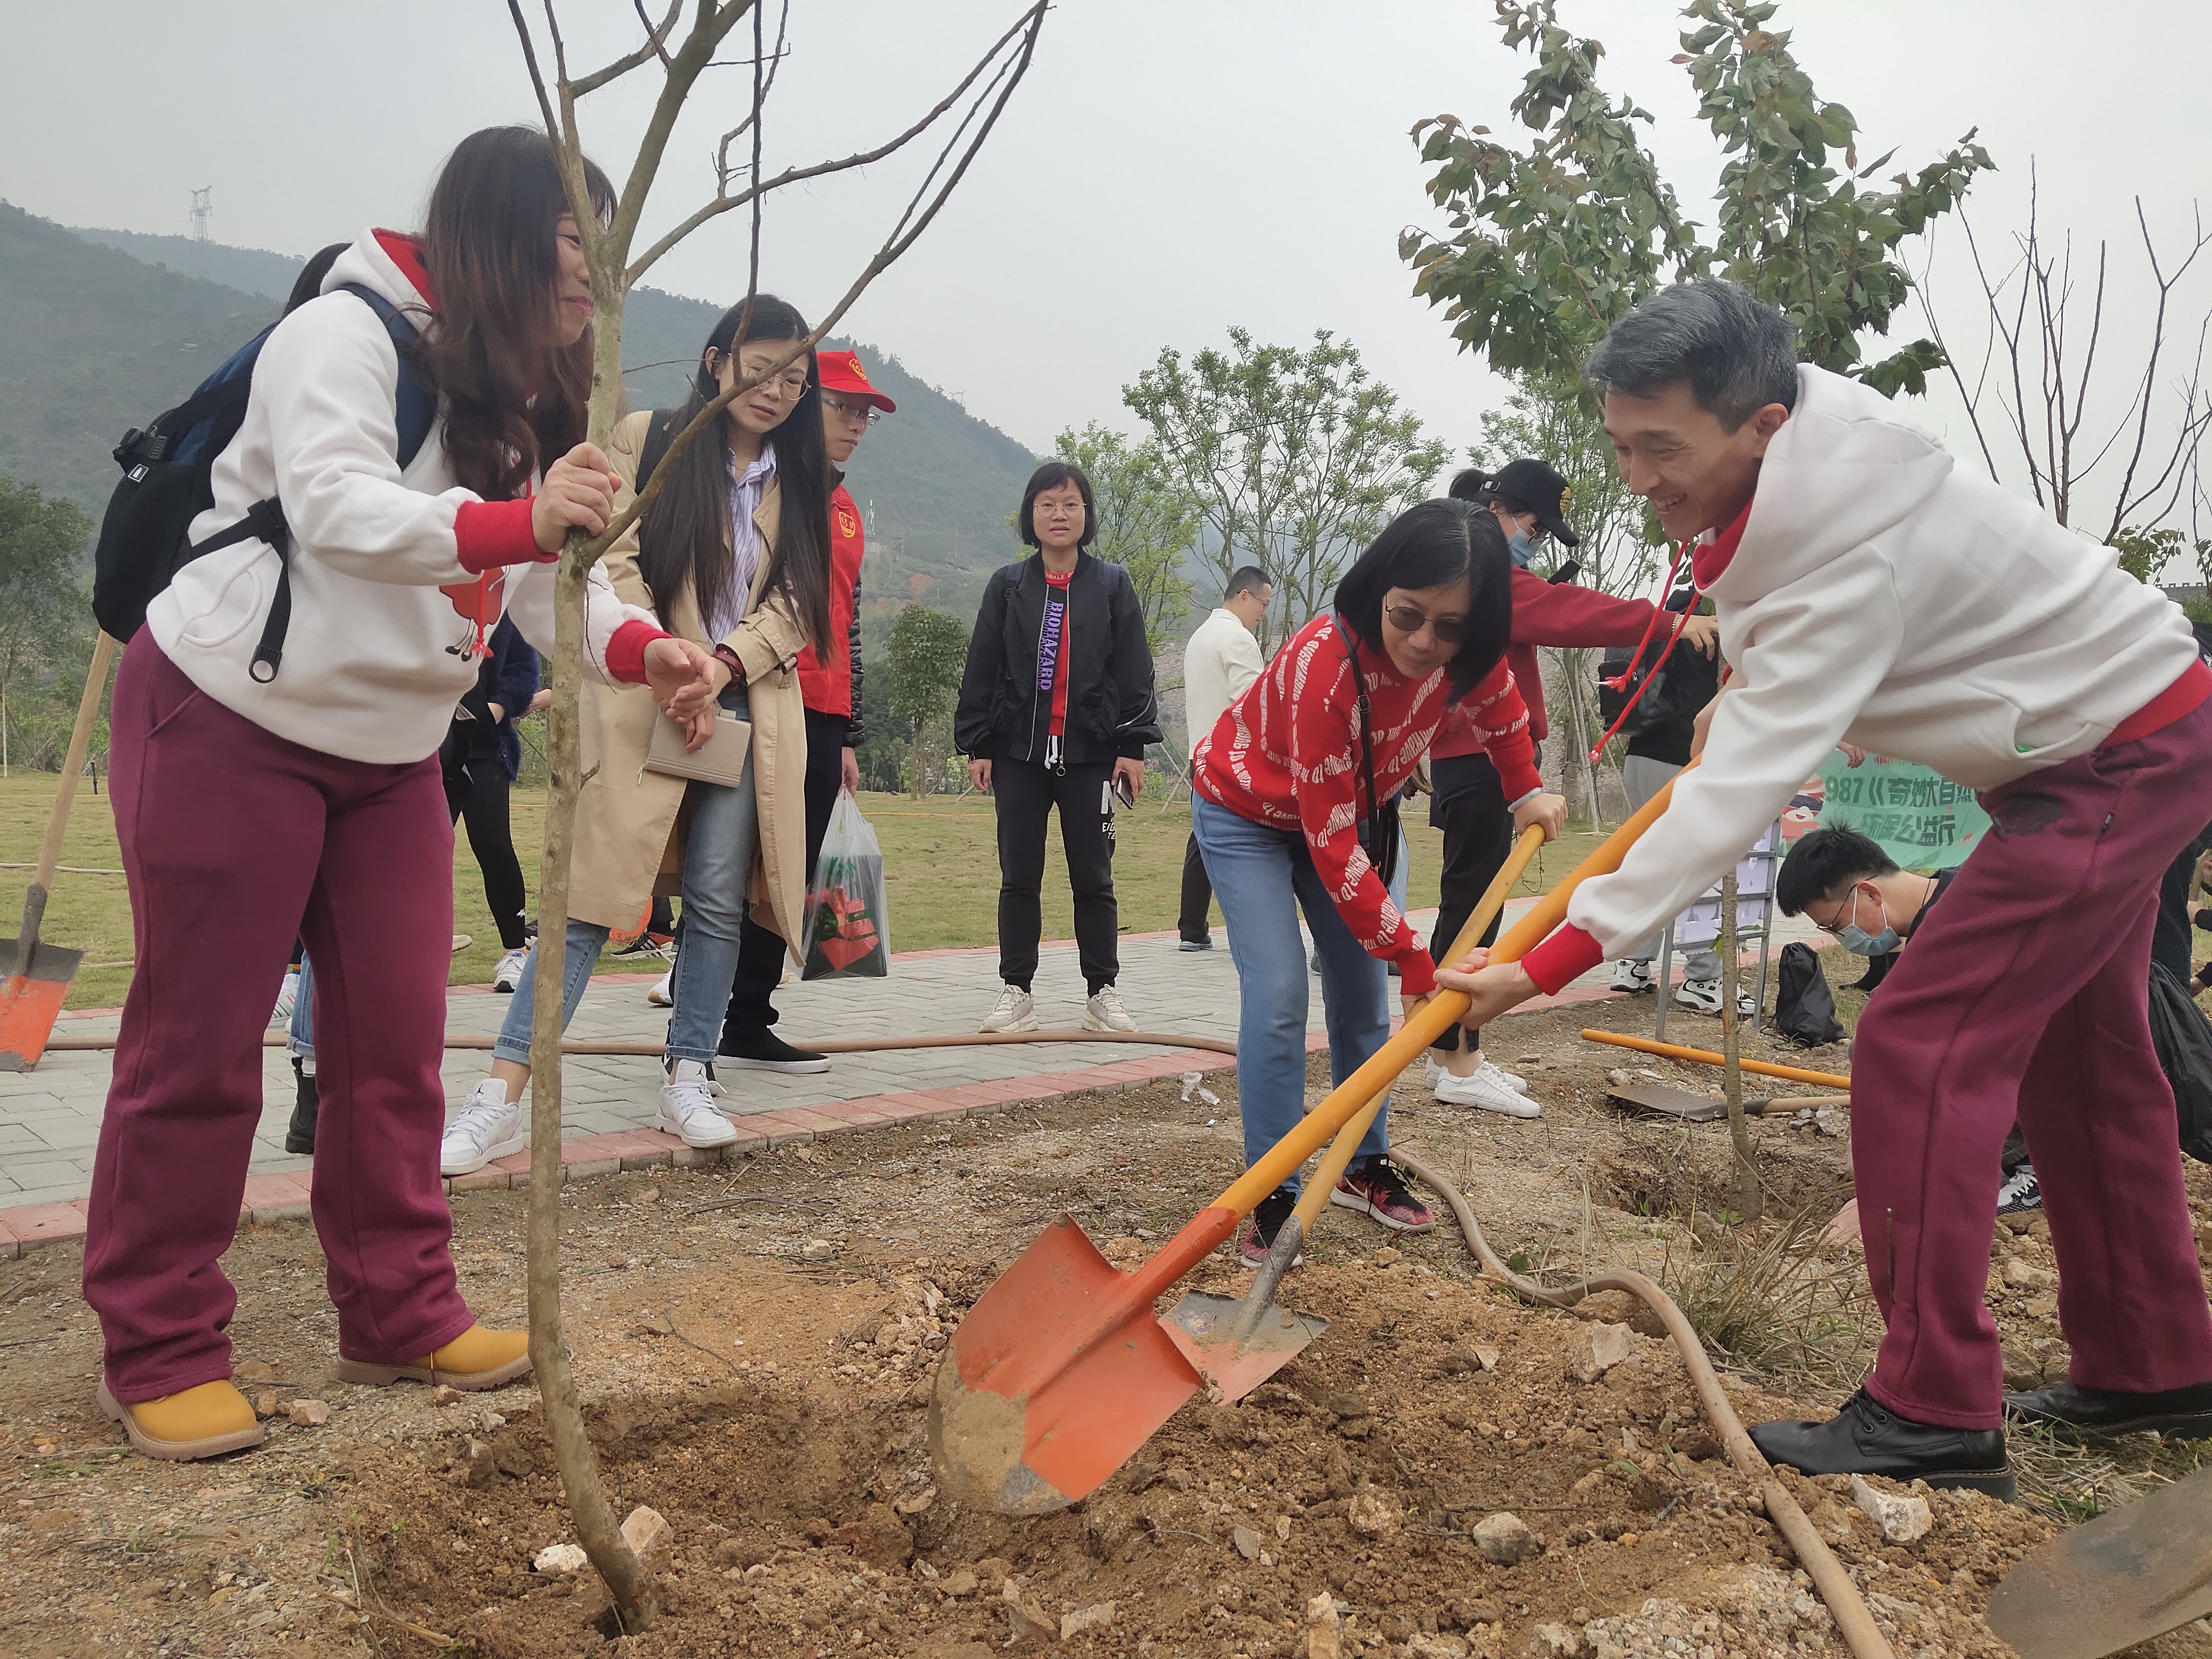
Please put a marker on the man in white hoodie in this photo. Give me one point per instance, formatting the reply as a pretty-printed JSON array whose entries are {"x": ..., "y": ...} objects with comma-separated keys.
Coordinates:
[{"x": 1867, "y": 589}]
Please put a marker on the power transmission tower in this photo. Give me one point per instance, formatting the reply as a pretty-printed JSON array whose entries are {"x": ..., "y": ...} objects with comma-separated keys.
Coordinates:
[{"x": 203, "y": 210}]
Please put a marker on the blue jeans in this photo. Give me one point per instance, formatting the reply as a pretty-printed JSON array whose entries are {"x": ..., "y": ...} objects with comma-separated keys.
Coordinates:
[
  {"x": 722, "y": 831},
  {"x": 1262, "y": 877},
  {"x": 300, "y": 1039}
]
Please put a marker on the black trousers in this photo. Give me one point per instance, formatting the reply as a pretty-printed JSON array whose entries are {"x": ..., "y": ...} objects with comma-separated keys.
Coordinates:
[
  {"x": 1470, "y": 808},
  {"x": 1026, "y": 793},
  {"x": 1197, "y": 895},
  {"x": 761, "y": 950},
  {"x": 477, "y": 796}
]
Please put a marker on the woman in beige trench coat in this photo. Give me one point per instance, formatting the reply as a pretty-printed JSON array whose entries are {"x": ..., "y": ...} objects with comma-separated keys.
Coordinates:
[{"x": 733, "y": 554}]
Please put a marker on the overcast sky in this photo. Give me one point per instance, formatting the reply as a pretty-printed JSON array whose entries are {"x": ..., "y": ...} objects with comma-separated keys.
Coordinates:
[{"x": 1168, "y": 169}]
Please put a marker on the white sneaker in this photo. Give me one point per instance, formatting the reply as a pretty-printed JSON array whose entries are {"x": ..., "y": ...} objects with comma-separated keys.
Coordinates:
[
  {"x": 507, "y": 976},
  {"x": 286, "y": 997},
  {"x": 487, "y": 1126},
  {"x": 1705, "y": 996},
  {"x": 1632, "y": 976},
  {"x": 1430, "y": 1071},
  {"x": 688, "y": 1109},
  {"x": 1483, "y": 1089},
  {"x": 1015, "y": 1010},
  {"x": 1104, "y": 1012},
  {"x": 1497, "y": 1073},
  {"x": 663, "y": 993}
]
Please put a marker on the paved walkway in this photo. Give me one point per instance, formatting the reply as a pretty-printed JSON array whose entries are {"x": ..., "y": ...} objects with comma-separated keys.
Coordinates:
[{"x": 50, "y": 1118}]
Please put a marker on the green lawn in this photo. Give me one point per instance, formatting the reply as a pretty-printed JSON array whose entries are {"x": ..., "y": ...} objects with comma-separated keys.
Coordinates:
[{"x": 940, "y": 859}]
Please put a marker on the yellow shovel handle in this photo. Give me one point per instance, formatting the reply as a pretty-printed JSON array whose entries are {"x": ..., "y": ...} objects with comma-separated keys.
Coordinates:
[
  {"x": 1338, "y": 1158},
  {"x": 1430, "y": 1021}
]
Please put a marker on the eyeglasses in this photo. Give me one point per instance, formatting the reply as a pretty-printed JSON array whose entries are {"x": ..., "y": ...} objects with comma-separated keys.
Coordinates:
[
  {"x": 1407, "y": 620},
  {"x": 790, "y": 384},
  {"x": 845, "y": 411}
]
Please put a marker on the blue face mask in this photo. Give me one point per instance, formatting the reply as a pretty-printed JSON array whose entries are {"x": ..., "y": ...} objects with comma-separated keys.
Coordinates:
[
  {"x": 1520, "y": 548},
  {"x": 1856, "y": 939}
]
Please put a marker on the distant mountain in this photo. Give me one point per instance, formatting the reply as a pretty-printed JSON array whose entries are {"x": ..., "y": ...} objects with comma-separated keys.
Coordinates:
[{"x": 100, "y": 329}]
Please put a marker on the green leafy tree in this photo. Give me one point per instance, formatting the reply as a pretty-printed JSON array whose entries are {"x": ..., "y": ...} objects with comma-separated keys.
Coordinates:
[
  {"x": 1545, "y": 250},
  {"x": 928, "y": 651},
  {"x": 1295, "y": 459},
  {"x": 43, "y": 608},
  {"x": 1148, "y": 521}
]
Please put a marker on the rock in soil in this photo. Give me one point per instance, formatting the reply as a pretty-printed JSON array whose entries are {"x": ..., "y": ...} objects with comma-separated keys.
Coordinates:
[
  {"x": 1505, "y": 1539},
  {"x": 1904, "y": 1517}
]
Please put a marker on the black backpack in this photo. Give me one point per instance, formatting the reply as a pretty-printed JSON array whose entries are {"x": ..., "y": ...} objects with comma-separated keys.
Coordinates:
[
  {"x": 2183, "y": 1037},
  {"x": 144, "y": 536},
  {"x": 1804, "y": 1007}
]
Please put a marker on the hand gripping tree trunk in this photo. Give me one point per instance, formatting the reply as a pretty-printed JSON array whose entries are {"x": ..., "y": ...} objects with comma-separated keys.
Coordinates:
[
  {"x": 738, "y": 184},
  {"x": 1749, "y": 1202}
]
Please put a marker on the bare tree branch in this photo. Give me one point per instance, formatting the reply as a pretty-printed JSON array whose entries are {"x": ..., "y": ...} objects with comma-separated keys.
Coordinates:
[
  {"x": 530, "y": 62},
  {"x": 761, "y": 91},
  {"x": 656, "y": 41}
]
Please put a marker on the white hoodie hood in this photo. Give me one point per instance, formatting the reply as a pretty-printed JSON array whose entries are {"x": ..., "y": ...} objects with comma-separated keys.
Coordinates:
[
  {"x": 1881, "y": 594},
  {"x": 374, "y": 658}
]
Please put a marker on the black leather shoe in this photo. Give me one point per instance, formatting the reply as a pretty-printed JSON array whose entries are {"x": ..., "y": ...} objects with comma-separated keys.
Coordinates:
[
  {"x": 764, "y": 1051},
  {"x": 1867, "y": 1438},
  {"x": 2098, "y": 1413},
  {"x": 300, "y": 1134}
]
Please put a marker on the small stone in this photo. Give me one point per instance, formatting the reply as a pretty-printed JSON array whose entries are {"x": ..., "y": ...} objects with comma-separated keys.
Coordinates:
[
  {"x": 1902, "y": 1517},
  {"x": 1505, "y": 1539},
  {"x": 1419, "y": 1645},
  {"x": 1558, "y": 1642},
  {"x": 1531, "y": 1060},
  {"x": 308, "y": 1413},
  {"x": 1484, "y": 1355},
  {"x": 916, "y": 1503},
  {"x": 1322, "y": 1640},
  {"x": 961, "y": 1581},
  {"x": 1099, "y": 1615},
  {"x": 444, "y": 1394},
  {"x": 819, "y": 1249},
  {"x": 2026, "y": 1276},
  {"x": 254, "y": 1370},
  {"x": 1366, "y": 1513},
  {"x": 1027, "y": 1615},
  {"x": 264, "y": 1402},
  {"x": 1283, "y": 1528},
  {"x": 1598, "y": 1348},
  {"x": 1247, "y": 1542},
  {"x": 561, "y": 1557},
  {"x": 643, "y": 1529},
  {"x": 1385, "y": 1257},
  {"x": 1345, "y": 1402}
]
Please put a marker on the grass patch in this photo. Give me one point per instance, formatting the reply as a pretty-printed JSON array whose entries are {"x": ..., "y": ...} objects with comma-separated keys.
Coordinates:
[{"x": 1764, "y": 1298}]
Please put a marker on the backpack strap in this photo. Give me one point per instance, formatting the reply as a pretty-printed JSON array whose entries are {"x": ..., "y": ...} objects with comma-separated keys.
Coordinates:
[{"x": 417, "y": 399}]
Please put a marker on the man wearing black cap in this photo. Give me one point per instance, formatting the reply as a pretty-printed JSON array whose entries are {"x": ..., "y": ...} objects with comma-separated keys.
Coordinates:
[{"x": 1529, "y": 500}]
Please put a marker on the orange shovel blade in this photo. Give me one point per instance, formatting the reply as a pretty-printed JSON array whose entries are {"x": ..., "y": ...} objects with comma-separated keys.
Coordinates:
[
  {"x": 31, "y": 1003},
  {"x": 1000, "y": 1445}
]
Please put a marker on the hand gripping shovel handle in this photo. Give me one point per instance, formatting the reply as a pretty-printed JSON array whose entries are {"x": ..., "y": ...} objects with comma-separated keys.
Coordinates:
[{"x": 1210, "y": 1225}]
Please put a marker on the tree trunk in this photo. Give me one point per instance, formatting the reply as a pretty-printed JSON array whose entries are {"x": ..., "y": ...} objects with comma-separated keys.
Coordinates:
[
  {"x": 629, "y": 1584},
  {"x": 1574, "y": 687},
  {"x": 1747, "y": 1199},
  {"x": 920, "y": 781}
]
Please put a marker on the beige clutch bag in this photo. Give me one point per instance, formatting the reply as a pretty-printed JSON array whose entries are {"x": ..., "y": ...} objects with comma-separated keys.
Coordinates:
[{"x": 720, "y": 760}]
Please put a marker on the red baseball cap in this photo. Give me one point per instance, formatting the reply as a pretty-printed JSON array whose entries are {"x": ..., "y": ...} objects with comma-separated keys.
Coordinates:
[{"x": 841, "y": 373}]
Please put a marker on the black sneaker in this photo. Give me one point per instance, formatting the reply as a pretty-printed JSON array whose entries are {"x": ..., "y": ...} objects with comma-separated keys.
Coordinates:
[
  {"x": 1867, "y": 1438},
  {"x": 300, "y": 1133},
  {"x": 1376, "y": 1189},
  {"x": 1267, "y": 1220},
  {"x": 763, "y": 1050},
  {"x": 2080, "y": 1414},
  {"x": 2020, "y": 1193}
]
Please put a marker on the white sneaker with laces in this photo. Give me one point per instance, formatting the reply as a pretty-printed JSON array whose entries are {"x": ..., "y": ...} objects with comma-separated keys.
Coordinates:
[
  {"x": 1104, "y": 1012},
  {"x": 688, "y": 1109},
  {"x": 1485, "y": 1092},
  {"x": 663, "y": 993},
  {"x": 286, "y": 997},
  {"x": 1499, "y": 1075},
  {"x": 488, "y": 1126},
  {"x": 1430, "y": 1071},
  {"x": 1705, "y": 996},
  {"x": 1632, "y": 976},
  {"x": 508, "y": 975},
  {"x": 1015, "y": 1010}
]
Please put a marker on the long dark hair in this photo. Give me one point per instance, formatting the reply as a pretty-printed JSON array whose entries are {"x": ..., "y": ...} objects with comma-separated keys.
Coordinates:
[
  {"x": 513, "y": 399},
  {"x": 683, "y": 536},
  {"x": 1427, "y": 546}
]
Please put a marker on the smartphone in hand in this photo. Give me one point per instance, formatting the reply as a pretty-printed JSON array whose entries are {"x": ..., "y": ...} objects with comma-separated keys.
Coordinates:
[{"x": 1120, "y": 786}]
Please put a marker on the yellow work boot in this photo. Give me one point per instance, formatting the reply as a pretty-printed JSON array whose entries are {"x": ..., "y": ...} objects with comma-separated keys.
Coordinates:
[
  {"x": 205, "y": 1421},
  {"x": 477, "y": 1359}
]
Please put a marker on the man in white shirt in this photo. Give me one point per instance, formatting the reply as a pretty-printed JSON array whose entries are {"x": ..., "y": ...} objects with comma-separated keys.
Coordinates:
[{"x": 1222, "y": 658}]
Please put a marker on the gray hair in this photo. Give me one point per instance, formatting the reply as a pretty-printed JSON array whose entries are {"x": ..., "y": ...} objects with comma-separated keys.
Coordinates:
[
  {"x": 1249, "y": 580},
  {"x": 1738, "y": 353}
]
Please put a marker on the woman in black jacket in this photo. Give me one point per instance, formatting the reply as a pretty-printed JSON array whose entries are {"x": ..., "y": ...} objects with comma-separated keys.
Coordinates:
[{"x": 1056, "y": 706}]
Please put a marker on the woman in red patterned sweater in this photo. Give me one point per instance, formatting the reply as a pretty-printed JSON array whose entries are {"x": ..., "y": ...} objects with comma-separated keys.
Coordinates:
[{"x": 1288, "y": 787}]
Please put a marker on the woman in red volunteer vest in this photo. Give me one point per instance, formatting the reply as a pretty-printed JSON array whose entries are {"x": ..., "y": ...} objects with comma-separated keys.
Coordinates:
[{"x": 251, "y": 809}]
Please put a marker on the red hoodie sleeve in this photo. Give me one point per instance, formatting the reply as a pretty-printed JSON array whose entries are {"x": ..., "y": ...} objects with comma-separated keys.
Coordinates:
[
  {"x": 626, "y": 651},
  {"x": 1547, "y": 613},
  {"x": 1500, "y": 721}
]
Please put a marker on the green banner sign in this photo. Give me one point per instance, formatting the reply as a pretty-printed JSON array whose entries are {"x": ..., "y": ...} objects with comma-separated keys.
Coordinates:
[{"x": 1924, "y": 820}]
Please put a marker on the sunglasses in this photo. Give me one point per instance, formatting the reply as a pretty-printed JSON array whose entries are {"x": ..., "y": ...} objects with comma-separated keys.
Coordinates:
[{"x": 1407, "y": 620}]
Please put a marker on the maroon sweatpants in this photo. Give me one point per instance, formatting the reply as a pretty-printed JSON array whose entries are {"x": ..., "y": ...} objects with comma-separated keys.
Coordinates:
[
  {"x": 2025, "y": 992},
  {"x": 234, "y": 840}
]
